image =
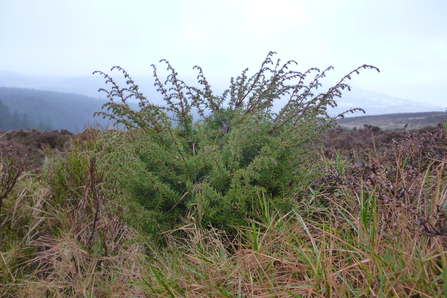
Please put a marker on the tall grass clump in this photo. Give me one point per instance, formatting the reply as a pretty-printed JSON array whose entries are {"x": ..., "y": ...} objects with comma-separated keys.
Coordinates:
[
  {"x": 62, "y": 233},
  {"x": 210, "y": 158}
]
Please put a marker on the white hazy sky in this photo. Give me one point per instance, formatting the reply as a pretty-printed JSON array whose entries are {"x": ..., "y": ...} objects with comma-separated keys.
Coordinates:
[{"x": 406, "y": 39}]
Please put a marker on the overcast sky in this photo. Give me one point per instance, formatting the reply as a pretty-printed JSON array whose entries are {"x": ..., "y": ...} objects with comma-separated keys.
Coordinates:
[{"x": 406, "y": 39}]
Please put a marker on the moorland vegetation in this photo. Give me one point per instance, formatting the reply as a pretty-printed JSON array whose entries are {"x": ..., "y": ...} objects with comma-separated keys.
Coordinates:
[
  {"x": 243, "y": 202},
  {"x": 409, "y": 121}
]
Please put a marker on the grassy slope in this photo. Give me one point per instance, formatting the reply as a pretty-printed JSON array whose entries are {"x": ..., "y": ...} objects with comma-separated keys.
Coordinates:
[
  {"x": 372, "y": 226},
  {"x": 395, "y": 121}
]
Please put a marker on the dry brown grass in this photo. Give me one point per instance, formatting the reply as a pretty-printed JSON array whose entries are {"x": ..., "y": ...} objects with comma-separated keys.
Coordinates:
[
  {"x": 341, "y": 256},
  {"x": 55, "y": 256},
  {"x": 64, "y": 238},
  {"x": 372, "y": 230}
]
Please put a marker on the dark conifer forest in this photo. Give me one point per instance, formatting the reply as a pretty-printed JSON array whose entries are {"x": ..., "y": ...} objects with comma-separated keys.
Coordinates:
[{"x": 46, "y": 110}]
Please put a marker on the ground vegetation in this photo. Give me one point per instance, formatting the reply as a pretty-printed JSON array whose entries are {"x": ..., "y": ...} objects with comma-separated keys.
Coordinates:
[{"x": 241, "y": 203}]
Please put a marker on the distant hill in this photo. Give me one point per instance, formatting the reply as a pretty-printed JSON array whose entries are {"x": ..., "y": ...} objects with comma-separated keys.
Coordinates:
[
  {"x": 395, "y": 121},
  {"x": 47, "y": 110},
  {"x": 374, "y": 103}
]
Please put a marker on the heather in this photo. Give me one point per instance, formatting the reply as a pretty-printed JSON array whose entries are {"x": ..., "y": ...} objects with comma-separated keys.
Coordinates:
[{"x": 227, "y": 196}]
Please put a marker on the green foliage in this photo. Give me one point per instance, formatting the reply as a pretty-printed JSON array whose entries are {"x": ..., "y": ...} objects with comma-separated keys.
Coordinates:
[
  {"x": 12, "y": 164},
  {"x": 68, "y": 173},
  {"x": 255, "y": 140}
]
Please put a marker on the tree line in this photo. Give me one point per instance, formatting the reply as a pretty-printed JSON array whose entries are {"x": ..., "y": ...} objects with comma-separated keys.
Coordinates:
[
  {"x": 46, "y": 110},
  {"x": 14, "y": 120}
]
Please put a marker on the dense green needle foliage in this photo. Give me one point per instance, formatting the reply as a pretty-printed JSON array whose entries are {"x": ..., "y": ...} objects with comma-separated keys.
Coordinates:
[
  {"x": 211, "y": 158},
  {"x": 373, "y": 224}
]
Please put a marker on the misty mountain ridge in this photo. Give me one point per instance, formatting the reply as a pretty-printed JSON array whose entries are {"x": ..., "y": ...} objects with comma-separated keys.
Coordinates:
[
  {"x": 374, "y": 103},
  {"x": 69, "y": 102},
  {"x": 48, "y": 110},
  {"x": 82, "y": 85}
]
